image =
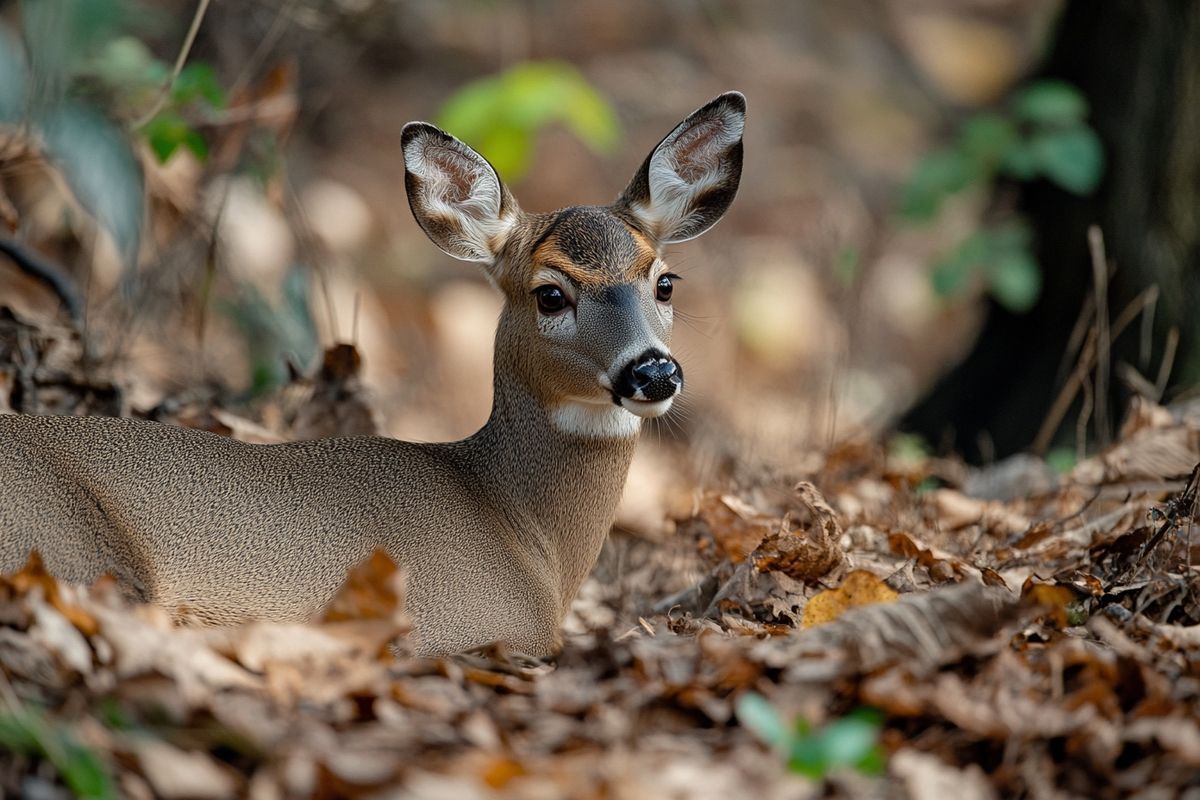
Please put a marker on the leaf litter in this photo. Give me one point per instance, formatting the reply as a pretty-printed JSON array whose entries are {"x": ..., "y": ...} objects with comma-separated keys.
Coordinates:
[{"x": 1006, "y": 634}]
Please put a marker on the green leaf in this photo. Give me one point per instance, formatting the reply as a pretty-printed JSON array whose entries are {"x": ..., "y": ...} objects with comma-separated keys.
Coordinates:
[
  {"x": 1061, "y": 460},
  {"x": 952, "y": 272},
  {"x": 852, "y": 741},
  {"x": 1072, "y": 157},
  {"x": 590, "y": 117},
  {"x": 938, "y": 175},
  {"x": 1020, "y": 162},
  {"x": 760, "y": 717},
  {"x": 1015, "y": 279},
  {"x": 198, "y": 81},
  {"x": 168, "y": 131},
  {"x": 85, "y": 773},
  {"x": 95, "y": 157},
  {"x": 849, "y": 740},
  {"x": 82, "y": 770},
  {"x": 1015, "y": 234},
  {"x": 16, "y": 733},
  {"x": 14, "y": 77},
  {"x": 987, "y": 137},
  {"x": 502, "y": 114},
  {"x": 126, "y": 64},
  {"x": 1050, "y": 103},
  {"x": 910, "y": 447}
]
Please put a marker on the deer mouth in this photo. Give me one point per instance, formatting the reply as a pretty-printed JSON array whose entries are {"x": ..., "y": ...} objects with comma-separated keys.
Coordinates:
[{"x": 645, "y": 408}]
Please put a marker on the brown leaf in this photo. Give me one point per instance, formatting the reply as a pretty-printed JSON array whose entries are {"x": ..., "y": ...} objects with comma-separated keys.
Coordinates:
[
  {"x": 807, "y": 555},
  {"x": 373, "y": 590},
  {"x": 182, "y": 774},
  {"x": 736, "y": 527},
  {"x": 926, "y": 777}
]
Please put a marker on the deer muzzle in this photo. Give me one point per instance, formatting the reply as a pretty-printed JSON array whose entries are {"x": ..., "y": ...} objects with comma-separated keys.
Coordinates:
[{"x": 646, "y": 385}]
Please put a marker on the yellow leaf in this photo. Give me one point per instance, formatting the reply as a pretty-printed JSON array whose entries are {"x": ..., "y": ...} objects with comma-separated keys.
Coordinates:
[{"x": 859, "y": 588}]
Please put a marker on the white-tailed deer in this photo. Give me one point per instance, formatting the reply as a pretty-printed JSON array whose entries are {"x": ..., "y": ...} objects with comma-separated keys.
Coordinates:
[{"x": 496, "y": 532}]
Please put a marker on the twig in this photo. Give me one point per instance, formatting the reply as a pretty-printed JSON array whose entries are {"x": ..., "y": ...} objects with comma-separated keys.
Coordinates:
[
  {"x": 1168, "y": 361},
  {"x": 181, "y": 59},
  {"x": 265, "y": 44},
  {"x": 1103, "y": 337},
  {"x": 1066, "y": 396},
  {"x": 1146, "y": 342}
]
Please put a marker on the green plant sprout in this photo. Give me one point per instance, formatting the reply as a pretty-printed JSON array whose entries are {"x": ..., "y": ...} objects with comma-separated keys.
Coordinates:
[{"x": 851, "y": 742}]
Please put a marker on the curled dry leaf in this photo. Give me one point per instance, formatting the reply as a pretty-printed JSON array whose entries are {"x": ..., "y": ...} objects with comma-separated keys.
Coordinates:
[
  {"x": 737, "y": 528},
  {"x": 942, "y": 565},
  {"x": 333, "y": 402},
  {"x": 806, "y": 555}
]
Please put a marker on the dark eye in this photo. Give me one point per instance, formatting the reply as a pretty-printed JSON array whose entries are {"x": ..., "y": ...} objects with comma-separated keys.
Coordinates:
[
  {"x": 666, "y": 285},
  {"x": 550, "y": 299}
]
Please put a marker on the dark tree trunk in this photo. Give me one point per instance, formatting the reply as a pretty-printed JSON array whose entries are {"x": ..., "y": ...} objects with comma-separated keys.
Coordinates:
[{"x": 1138, "y": 63}]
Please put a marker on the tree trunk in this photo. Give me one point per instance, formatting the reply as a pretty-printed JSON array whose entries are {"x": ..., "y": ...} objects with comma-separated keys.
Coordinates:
[{"x": 1138, "y": 63}]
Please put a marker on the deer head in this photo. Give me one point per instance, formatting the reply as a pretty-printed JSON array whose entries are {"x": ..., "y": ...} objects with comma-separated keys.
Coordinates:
[{"x": 586, "y": 326}]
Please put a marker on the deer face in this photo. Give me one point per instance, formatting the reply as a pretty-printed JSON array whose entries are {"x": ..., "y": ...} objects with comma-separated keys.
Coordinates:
[{"x": 587, "y": 323}]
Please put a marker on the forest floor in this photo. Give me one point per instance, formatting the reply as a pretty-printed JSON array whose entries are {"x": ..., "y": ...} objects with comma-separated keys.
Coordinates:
[{"x": 889, "y": 625}]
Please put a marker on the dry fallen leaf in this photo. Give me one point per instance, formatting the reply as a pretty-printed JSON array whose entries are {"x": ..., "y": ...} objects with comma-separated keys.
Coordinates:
[
  {"x": 181, "y": 774},
  {"x": 857, "y": 589}
]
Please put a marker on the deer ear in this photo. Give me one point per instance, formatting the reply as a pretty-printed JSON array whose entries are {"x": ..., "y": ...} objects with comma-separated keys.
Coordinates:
[
  {"x": 455, "y": 194},
  {"x": 688, "y": 181}
]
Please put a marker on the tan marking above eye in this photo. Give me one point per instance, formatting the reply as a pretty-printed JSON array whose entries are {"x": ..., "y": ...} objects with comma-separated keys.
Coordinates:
[{"x": 549, "y": 256}]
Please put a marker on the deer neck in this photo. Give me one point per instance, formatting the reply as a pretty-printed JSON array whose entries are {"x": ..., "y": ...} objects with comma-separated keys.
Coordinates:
[{"x": 556, "y": 481}]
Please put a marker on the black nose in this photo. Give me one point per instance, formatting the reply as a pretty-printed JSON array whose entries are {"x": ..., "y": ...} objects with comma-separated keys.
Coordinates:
[{"x": 652, "y": 376}]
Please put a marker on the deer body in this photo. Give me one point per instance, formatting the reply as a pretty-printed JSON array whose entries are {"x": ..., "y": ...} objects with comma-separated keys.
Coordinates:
[{"x": 496, "y": 532}]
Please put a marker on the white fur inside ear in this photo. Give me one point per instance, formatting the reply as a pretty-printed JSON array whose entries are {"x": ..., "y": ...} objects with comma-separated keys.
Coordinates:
[
  {"x": 460, "y": 189},
  {"x": 686, "y": 165}
]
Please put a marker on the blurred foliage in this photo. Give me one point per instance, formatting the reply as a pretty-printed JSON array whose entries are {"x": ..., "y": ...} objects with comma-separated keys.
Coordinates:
[
  {"x": 1003, "y": 255},
  {"x": 28, "y": 732},
  {"x": 80, "y": 70},
  {"x": 501, "y": 115},
  {"x": 1042, "y": 134},
  {"x": 276, "y": 335},
  {"x": 850, "y": 742},
  {"x": 1061, "y": 459},
  {"x": 135, "y": 79},
  {"x": 81, "y": 77}
]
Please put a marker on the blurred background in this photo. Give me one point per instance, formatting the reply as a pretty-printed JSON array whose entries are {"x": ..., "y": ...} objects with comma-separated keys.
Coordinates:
[{"x": 220, "y": 187}]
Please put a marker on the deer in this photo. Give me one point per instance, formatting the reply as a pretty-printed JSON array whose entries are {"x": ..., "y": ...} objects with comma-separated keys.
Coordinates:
[{"x": 495, "y": 532}]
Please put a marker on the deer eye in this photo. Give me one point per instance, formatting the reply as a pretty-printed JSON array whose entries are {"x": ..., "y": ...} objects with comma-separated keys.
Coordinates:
[
  {"x": 665, "y": 286},
  {"x": 550, "y": 299}
]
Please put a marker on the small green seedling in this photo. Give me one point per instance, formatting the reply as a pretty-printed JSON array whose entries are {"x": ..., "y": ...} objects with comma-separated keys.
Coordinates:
[{"x": 851, "y": 742}]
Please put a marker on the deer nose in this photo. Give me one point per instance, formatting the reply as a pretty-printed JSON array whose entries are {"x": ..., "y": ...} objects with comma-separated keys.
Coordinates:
[{"x": 652, "y": 376}]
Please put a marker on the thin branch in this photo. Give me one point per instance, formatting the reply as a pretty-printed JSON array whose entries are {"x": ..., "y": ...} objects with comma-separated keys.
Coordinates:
[
  {"x": 1103, "y": 338},
  {"x": 181, "y": 59},
  {"x": 1168, "y": 361}
]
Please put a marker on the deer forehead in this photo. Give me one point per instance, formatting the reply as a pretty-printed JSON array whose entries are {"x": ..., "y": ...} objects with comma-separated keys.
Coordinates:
[{"x": 593, "y": 248}]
